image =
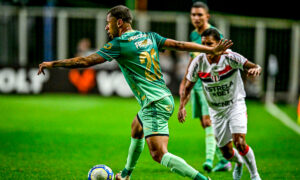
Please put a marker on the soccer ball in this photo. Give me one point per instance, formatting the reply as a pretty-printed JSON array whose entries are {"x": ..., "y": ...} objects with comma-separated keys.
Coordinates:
[{"x": 100, "y": 172}]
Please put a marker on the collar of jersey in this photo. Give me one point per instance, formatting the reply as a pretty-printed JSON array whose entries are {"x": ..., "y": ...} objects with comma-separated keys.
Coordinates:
[
  {"x": 128, "y": 31},
  {"x": 221, "y": 58},
  {"x": 209, "y": 26}
]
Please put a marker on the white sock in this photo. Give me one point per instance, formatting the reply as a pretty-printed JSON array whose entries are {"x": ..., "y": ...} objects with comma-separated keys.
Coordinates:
[
  {"x": 249, "y": 159},
  {"x": 236, "y": 157}
]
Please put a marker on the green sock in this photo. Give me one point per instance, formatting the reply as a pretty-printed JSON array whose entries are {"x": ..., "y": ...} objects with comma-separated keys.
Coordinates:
[
  {"x": 220, "y": 155},
  {"x": 210, "y": 143},
  {"x": 135, "y": 149},
  {"x": 200, "y": 177},
  {"x": 179, "y": 166}
]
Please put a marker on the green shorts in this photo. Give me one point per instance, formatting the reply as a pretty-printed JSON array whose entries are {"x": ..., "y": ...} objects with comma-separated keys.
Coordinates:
[
  {"x": 154, "y": 117},
  {"x": 199, "y": 104}
]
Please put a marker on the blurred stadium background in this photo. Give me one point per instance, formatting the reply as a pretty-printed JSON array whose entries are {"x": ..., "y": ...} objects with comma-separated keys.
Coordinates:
[{"x": 37, "y": 112}]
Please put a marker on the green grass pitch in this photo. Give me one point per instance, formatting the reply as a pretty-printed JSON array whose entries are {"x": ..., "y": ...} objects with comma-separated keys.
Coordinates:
[{"x": 63, "y": 136}]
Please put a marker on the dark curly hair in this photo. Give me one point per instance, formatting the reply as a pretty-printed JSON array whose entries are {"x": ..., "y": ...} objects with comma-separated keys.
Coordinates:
[
  {"x": 121, "y": 12},
  {"x": 199, "y": 4},
  {"x": 212, "y": 32}
]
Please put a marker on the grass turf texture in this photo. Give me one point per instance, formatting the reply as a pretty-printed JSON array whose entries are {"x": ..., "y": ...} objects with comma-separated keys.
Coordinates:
[{"x": 63, "y": 136}]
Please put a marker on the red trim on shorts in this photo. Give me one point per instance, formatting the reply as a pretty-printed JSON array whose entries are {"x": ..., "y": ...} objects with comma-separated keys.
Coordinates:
[{"x": 245, "y": 152}]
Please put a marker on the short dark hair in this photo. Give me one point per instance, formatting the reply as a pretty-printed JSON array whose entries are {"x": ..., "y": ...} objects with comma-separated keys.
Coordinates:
[
  {"x": 121, "y": 12},
  {"x": 212, "y": 32},
  {"x": 199, "y": 4}
]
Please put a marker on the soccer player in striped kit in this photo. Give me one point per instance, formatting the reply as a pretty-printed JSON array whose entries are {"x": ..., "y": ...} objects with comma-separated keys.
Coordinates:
[
  {"x": 224, "y": 91},
  {"x": 199, "y": 18}
]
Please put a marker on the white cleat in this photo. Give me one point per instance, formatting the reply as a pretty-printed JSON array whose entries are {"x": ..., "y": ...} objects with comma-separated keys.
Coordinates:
[
  {"x": 119, "y": 177},
  {"x": 256, "y": 178},
  {"x": 237, "y": 171}
]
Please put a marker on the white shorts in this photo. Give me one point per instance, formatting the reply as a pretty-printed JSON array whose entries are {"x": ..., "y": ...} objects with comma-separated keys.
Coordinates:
[{"x": 230, "y": 121}]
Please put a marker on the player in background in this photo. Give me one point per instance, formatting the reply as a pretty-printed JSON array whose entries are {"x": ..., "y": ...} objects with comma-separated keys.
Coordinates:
[
  {"x": 224, "y": 90},
  {"x": 199, "y": 17},
  {"x": 137, "y": 54}
]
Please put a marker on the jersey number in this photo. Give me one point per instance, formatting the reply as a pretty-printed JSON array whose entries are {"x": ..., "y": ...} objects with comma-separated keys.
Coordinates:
[{"x": 151, "y": 59}]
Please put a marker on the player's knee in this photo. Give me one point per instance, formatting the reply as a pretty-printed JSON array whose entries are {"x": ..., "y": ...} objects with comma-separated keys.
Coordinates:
[
  {"x": 228, "y": 153},
  {"x": 156, "y": 155},
  {"x": 240, "y": 145},
  {"x": 137, "y": 135},
  {"x": 137, "y": 131}
]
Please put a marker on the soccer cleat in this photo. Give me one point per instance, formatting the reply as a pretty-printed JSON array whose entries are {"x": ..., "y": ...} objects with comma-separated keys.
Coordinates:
[
  {"x": 237, "y": 171},
  {"x": 207, "y": 165},
  {"x": 223, "y": 165},
  {"x": 119, "y": 177}
]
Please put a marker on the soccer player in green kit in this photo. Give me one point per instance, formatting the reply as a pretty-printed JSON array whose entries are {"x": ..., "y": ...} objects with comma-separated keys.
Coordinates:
[
  {"x": 199, "y": 18},
  {"x": 137, "y": 54}
]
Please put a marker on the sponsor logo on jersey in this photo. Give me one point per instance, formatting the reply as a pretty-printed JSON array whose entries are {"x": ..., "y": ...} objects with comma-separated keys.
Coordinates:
[
  {"x": 221, "y": 90},
  {"x": 221, "y": 104},
  {"x": 107, "y": 46},
  {"x": 137, "y": 37},
  {"x": 143, "y": 43}
]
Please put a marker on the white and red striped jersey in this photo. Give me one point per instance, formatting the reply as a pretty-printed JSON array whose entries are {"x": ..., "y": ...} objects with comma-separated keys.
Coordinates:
[{"x": 222, "y": 81}]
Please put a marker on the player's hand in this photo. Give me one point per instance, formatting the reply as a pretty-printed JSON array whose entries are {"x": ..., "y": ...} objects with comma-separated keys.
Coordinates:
[
  {"x": 181, "y": 115},
  {"x": 205, "y": 121},
  {"x": 44, "y": 65},
  {"x": 222, "y": 47},
  {"x": 253, "y": 72}
]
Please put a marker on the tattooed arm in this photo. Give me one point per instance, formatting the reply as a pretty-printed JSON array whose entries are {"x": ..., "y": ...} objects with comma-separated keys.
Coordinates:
[
  {"x": 76, "y": 62},
  {"x": 194, "y": 47}
]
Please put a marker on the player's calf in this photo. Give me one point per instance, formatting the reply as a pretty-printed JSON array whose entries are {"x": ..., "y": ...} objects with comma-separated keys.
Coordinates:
[
  {"x": 249, "y": 159},
  {"x": 227, "y": 151},
  {"x": 247, "y": 154},
  {"x": 156, "y": 155},
  {"x": 231, "y": 154}
]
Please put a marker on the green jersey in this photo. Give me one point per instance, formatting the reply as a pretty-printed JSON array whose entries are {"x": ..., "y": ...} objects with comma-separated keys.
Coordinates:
[
  {"x": 196, "y": 37},
  {"x": 137, "y": 54}
]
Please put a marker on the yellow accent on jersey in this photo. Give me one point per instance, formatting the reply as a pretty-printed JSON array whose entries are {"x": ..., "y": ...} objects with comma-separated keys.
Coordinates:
[
  {"x": 151, "y": 59},
  {"x": 107, "y": 46}
]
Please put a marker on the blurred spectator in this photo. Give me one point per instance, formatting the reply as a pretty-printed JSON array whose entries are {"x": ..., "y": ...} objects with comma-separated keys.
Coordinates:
[
  {"x": 84, "y": 47},
  {"x": 182, "y": 62},
  {"x": 166, "y": 61},
  {"x": 252, "y": 88}
]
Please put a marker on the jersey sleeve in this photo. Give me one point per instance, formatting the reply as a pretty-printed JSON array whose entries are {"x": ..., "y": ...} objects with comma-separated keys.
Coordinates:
[
  {"x": 192, "y": 74},
  {"x": 237, "y": 61},
  {"x": 160, "y": 40},
  {"x": 110, "y": 51}
]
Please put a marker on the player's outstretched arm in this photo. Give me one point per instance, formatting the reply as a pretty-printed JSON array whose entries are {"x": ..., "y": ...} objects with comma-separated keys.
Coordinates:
[
  {"x": 184, "y": 97},
  {"x": 194, "y": 47},
  {"x": 76, "y": 62},
  {"x": 252, "y": 69}
]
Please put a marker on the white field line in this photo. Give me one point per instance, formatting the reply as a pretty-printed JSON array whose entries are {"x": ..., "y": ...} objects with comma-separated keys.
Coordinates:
[{"x": 280, "y": 115}]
